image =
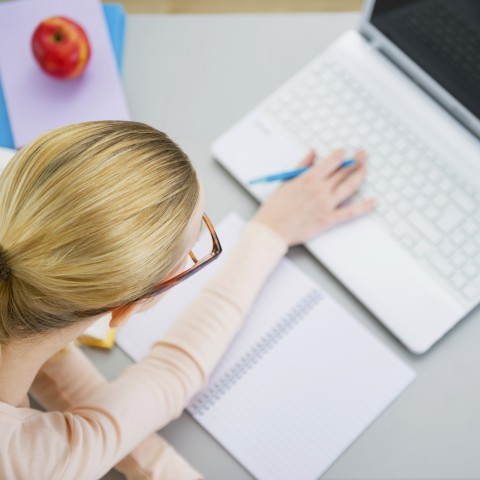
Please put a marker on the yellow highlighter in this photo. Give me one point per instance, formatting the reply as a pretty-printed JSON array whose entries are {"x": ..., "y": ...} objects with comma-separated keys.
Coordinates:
[{"x": 99, "y": 334}]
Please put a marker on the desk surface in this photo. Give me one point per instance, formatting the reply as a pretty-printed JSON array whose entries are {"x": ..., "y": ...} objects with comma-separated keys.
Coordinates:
[{"x": 194, "y": 76}]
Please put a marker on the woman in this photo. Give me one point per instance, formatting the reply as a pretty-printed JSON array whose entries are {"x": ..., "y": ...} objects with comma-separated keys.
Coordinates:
[{"x": 99, "y": 218}]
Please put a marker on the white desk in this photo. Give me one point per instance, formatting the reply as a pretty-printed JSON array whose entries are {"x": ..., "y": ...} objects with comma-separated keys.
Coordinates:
[{"x": 193, "y": 76}]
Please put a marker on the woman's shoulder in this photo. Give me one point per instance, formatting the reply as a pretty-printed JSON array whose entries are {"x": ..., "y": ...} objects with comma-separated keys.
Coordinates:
[
  {"x": 56, "y": 445},
  {"x": 26, "y": 431}
]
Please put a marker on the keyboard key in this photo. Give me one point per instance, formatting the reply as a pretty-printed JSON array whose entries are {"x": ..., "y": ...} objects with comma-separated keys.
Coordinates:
[
  {"x": 424, "y": 227},
  {"x": 385, "y": 150},
  {"x": 440, "y": 200},
  {"x": 471, "y": 290},
  {"x": 286, "y": 97},
  {"x": 470, "y": 269},
  {"x": 406, "y": 169},
  {"x": 374, "y": 139},
  {"x": 379, "y": 124},
  {"x": 418, "y": 180},
  {"x": 447, "y": 248},
  {"x": 381, "y": 208},
  {"x": 395, "y": 159},
  {"x": 459, "y": 280},
  {"x": 422, "y": 248},
  {"x": 458, "y": 237},
  {"x": 327, "y": 136},
  {"x": 423, "y": 165},
  {"x": 375, "y": 161},
  {"x": 421, "y": 202},
  {"x": 404, "y": 207},
  {"x": 450, "y": 218},
  {"x": 434, "y": 175},
  {"x": 409, "y": 192},
  {"x": 442, "y": 264},
  {"x": 470, "y": 249},
  {"x": 391, "y": 217},
  {"x": 299, "y": 91},
  {"x": 409, "y": 241},
  {"x": 412, "y": 155},
  {"x": 305, "y": 136},
  {"x": 399, "y": 182},
  {"x": 307, "y": 115},
  {"x": 392, "y": 197},
  {"x": 382, "y": 186},
  {"x": 401, "y": 228},
  {"x": 467, "y": 203},
  {"x": 311, "y": 102},
  {"x": 432, "y": 212},
  {"x": 390, "y": 134},
  {"x": 470, "y": 227},
  {"x": 401, "y": 144},
  {"x": 446, "y": 185},
  {"x": 459, "y": 259}
]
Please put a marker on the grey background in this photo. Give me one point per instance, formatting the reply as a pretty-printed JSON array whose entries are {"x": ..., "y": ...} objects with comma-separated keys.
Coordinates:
[{"x": 195, "y": 75}]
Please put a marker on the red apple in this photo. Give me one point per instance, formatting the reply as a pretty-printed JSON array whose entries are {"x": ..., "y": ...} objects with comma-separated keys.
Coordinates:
[{"x": 61, "y": 47}]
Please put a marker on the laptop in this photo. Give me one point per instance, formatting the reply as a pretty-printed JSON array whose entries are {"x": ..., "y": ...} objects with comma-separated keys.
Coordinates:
[{"x": 406, "y": 87}]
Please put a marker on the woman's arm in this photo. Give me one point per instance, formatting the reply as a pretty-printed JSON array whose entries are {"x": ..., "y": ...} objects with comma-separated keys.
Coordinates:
[{"x": 68, "y": 378}]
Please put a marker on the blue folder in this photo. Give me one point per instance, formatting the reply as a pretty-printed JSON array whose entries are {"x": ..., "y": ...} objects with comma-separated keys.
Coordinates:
[{"x": 115, "y": 17}]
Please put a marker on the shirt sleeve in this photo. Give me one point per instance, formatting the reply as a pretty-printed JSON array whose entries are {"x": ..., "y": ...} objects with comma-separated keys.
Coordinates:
[
  {"x": 113, "y": 419},
  {"x": 68, "y": 378}
]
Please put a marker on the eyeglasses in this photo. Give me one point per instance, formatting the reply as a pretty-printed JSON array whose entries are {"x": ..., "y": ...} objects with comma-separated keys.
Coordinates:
[
  {"x": 171, "y": 282},
  {"x": 197, "y": 264}
]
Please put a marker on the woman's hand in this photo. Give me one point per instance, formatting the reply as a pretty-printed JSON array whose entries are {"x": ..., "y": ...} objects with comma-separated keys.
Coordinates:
[{"x": 305, "y": 206}]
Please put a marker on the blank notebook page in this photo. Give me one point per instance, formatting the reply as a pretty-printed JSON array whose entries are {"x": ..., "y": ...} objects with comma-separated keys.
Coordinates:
[{"x": 299, "y": 384}]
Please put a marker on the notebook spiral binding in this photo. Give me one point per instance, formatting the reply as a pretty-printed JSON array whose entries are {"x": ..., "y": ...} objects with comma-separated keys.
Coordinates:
[{"x": 209, "y": 396}]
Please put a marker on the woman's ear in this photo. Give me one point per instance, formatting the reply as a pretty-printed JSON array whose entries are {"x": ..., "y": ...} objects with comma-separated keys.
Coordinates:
[{"x": 120, "y": 315}]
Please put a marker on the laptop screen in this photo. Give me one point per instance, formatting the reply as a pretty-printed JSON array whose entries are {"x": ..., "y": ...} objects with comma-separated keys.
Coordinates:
[{"x": 440, "y": 36}]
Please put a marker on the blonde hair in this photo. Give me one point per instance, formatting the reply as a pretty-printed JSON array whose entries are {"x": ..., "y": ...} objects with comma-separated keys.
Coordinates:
[{"x": 91, "y": 215}]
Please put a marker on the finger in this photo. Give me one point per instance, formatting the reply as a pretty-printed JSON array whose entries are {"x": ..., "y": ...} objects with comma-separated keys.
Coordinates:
[
  {"x": 350, "y": 212},
  {"x": 342, "y": 173},
  {"x": 331, "y": 163},
  {"x": 349, "y": 186},
  {"x": 328, "y": 165},
  {"x": 308, "y": 160}
]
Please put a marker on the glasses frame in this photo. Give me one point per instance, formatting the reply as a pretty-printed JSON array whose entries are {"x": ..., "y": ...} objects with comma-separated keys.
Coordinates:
[
  {"x": 197, "y": 266},
  {"x": 171, "y": 282}
]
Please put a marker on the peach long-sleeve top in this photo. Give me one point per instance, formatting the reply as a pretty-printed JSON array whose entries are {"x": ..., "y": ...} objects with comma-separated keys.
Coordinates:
[{"x": 92, "y": 425}]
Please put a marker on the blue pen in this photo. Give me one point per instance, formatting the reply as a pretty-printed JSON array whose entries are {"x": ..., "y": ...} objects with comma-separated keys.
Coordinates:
[{"x": 282, "y": 176}]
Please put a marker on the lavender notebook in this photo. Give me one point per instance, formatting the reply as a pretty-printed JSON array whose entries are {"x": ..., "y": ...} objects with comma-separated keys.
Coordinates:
[{"x": 37, "y": 103}]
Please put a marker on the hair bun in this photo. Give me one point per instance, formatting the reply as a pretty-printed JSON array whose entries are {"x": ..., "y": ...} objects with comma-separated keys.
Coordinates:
[{"x": 5, "y": 272}]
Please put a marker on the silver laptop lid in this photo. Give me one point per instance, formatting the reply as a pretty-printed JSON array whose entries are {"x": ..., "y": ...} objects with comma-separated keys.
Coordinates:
[{"x": 437, "y": 43}]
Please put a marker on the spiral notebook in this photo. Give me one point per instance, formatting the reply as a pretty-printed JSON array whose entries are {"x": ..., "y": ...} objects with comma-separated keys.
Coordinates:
[{"x": 301, "y": 381}]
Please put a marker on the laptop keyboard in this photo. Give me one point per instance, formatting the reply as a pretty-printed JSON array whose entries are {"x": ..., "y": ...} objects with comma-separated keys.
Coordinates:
[{"x": 423, "y": 203}]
